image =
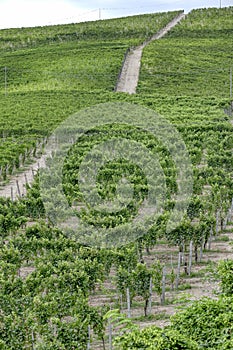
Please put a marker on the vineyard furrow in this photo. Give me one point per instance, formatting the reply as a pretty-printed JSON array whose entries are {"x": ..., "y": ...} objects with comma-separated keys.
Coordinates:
[{"x": 17, "y": 184}]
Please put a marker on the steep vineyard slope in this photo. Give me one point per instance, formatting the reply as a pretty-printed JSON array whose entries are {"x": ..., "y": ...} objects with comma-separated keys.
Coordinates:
[
  {"x": 48, "y": 73},
  {"x": 194, "y": 59},
  {"x": 55, "y": 292}
]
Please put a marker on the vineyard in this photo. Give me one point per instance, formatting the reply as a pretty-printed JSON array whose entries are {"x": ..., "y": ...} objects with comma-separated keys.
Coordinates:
[
  {"x": 69, "y": 68},
  {"x": 143, "y": 288}
]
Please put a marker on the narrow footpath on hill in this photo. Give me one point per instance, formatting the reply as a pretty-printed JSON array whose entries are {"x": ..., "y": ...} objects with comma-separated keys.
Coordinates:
[{"x": 129, "y": 76}]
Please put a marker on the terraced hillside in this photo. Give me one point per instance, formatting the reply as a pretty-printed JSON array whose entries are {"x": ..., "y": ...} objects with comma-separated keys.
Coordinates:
[{"x": 56, "y": 293}]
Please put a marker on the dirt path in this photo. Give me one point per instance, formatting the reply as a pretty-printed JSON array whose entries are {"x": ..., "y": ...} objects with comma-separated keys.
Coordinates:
[
  {"x": 17, "y": 185},
  {"x": 128, "y": 79}
]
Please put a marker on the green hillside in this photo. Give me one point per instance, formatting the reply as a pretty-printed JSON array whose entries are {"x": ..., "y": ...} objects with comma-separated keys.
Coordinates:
[
  {"x": 194, "y": 59},
  {"x": 48, "y": 280},
  {"x": 73, "y": 57},
  {"x": 51, "y": 72}
]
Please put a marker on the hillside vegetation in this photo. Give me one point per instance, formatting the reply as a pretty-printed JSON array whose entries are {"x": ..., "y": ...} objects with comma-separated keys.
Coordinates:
[
  {"x": 48, "y": 279},
  {"x": 51, "y": 72},
  {"x": 194, "y": 59}
]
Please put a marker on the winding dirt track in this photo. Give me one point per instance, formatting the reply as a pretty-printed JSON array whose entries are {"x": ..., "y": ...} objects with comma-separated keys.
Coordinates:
[{"x": 128, "y": 79}]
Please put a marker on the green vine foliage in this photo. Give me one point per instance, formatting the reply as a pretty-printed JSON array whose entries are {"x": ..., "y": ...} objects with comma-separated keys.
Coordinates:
[
  {"x": 225, "y": 272},
  {"x": 46, "y": 278},
  {"x": 208, "y": 322},
  {"x": 154, "y": 338}
]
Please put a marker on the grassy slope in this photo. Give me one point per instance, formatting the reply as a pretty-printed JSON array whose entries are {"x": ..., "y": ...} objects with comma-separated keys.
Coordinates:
[
  {"x": 82, "y": 57},
  {"x": 193, "y": 59},
  {"x": 54, "y": 71},
  {"x": 185, "y": 76}
]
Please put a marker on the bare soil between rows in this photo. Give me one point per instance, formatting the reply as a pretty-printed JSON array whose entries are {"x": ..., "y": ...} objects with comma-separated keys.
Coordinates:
[{"x": 202, "y": 283}]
